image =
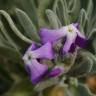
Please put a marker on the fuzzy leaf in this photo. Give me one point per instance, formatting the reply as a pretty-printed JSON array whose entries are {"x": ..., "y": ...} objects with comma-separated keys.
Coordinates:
[
  {"x": 7, "y": 36},
  {"x": 83, "y": 68},
  {"x": 60, "y": 8},
  {"x": 89, "y": 8},
  {"x": 93, "y": 32},
  {"x": 53, "y": 19},
  {"x": 30, "y": 8},
  {"x": 73, "y": 8},
  {"x": 27, "y": 24},
  {"x": 83, "y": 91},
  {"x": 45, "y": 4},
  {"x": 93, "y": 22},
  {"x": 93, "y": 58},
  {"x": 14, "y": 28},
  {"x": 45, "y": 84},
  {"x": 82, "y": 20}
]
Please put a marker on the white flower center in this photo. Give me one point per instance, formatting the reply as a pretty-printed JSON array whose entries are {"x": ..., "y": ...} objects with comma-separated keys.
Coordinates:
[
  {"x": 70, "y": 29},
  {"x": 29, "y": 56}
]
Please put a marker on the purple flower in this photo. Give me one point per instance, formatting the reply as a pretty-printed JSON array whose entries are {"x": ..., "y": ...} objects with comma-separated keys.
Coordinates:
[
  {"x": 44, "y": 52},
  {"x": 57, "y": 70},
  {"x": 73, "y": 37},
  {"x": 37, "y": 53},
  {"x": 35, "y": 69}
]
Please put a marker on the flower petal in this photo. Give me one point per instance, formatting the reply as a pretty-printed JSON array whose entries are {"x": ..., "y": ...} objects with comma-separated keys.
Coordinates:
[
  {"x": 76, "y": 25},
  {"x": 68, "y": 45},
  {"x": 32, "y": 47},
  {"x": 36, "y": 70},
  {"x": 51, "y": 35},
  {"x": 26, "y": 55},
  {"x": 81, "y": 41},
  {"x": 57, "y": 70},
  {"x": 45, "y": 51},
  {"x": 72, "y": 48}
]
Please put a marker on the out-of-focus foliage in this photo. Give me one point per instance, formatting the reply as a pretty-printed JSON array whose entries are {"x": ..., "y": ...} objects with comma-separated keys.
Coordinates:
[{"x": 20, "y": 21}]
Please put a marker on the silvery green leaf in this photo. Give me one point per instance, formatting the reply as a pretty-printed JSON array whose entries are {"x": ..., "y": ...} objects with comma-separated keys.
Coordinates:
[
  {"x": 27, "y": 24},
  {"x": 82, "y": 20},
  {"x": 93, "y": 58},
  {"x": 73, "y": 90},
  {"x": 93, "y": 32},
  {"x": 89, "y": 8},
  {"x": 30, "y": 8},
  {"x": 73, "y": 9},
  {"x": 82, "y": 68},
  {"x": 7, "y": 37},
  {"x": 92, "y": 38},
  {"x": 83, "y": 90},
  {"x": 89, "y": 12},
  {"x": 91, "y": 25},
  {"x": 46, "y": 83},
  {"x": 53, "y": 19},
  {"x": 93, "y": 22},
  {"x": 45, "y": 4},
  {"x": 61, "y": 9},
  {"x": 82, "y": 17},
  {"x": 70, "y": 4},
  {"x": 93, "y": 69},
  {"x": 14, "y": 28}
]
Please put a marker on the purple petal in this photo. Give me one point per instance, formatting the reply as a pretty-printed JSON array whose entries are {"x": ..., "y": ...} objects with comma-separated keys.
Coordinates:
[
  {"x": 45, "y": 51},
  {"x": 76, "y": 25},
  {"x": 81, "y": 41},
  {"x": 72, "y": 48},
  {"x": 51, "y": 35},
  {"x": 57, "y": 70},
  {"x": 32, "y": 47},
  {"x": 36, "y": 70},
  {"x": 68, "y": 46}
]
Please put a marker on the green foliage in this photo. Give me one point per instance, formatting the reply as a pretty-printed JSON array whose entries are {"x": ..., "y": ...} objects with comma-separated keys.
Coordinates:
[
  {"x": 54, "y": 22},
  {"x": 27, "y": 25}
]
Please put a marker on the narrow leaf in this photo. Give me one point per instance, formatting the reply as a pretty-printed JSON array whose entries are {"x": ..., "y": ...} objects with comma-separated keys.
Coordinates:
[
  {"x": 53, "y": 19},
  {"x": 90, "y": 8},
  {"x": 83, "y": 90},
  {"x": 14, "y": 28},
  {"x": 82, "y": 20},
  {"x": 8, "y": 38},
  {"x": 74, "y": 9},
  {"x": 61, "y": 9},
  {"x": 27, "y": 24}
]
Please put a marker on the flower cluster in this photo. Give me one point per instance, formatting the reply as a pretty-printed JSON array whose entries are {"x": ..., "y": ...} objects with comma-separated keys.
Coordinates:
[{"x": 49, "y": 38}]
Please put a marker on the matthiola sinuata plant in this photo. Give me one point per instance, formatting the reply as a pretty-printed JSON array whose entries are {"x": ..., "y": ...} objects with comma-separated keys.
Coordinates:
[
  {"x": 49, "y": 38},
  {"x": 60, "y": 52}
]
